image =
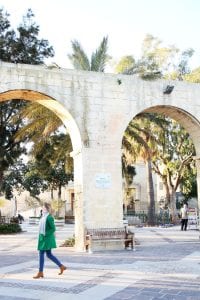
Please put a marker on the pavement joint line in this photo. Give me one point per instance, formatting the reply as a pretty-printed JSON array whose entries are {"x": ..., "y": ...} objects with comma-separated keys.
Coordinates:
[
  {"x": 147, "y": 286},
  {"x": 76, "y": 289}
]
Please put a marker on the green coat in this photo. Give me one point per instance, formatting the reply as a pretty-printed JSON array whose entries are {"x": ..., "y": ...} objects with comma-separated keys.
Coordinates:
[{"x": 47, "y": 241}]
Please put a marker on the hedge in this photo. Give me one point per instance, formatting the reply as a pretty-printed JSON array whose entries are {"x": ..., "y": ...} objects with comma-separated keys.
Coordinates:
[{"x": 10, "y": 228}]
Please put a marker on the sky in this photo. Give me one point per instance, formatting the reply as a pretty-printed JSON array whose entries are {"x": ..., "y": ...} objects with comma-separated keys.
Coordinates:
[{"x": 175, "y": 22}]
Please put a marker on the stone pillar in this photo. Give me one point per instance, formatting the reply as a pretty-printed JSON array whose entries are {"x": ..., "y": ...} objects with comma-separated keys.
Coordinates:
[
  {"x": 98, "y": 201},
  {"x": 78, "y": 201},
  {"x": 197, "y": 161}
]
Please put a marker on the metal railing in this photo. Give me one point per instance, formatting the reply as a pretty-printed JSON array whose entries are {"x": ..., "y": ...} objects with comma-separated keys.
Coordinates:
[{"x": 162, "y": 218}]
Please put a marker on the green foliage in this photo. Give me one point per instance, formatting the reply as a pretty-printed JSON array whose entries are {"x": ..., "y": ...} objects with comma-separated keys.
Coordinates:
[
  {"x": 10, "y": 228},
  {"x": 128, "y": 171},
  {"x": 13, "y": 179},
  {"x": 168, "y": 146},
  {"x": 70, "y": 242},
  {"x": 193, "y": 76},
  {"x": 157, "y": 61},
  {"x": 33, "y": 181},
  {"x": 45, "y": 134},
  {"x": 99, "y": 58},
  {"x": 126, "y": 63},
  {"x": 175, "y": 153},
  {"x": 50, "y": 168},
  {"x": 36, "y": 127},
  {"x": 79, "y": 58},
  {"x": 60, "y": 218},
  {"x": 10, "y": 149},
  {"x": 155, "y": 55},
  {"x": 183, "y": 66},
  {"x": 189, "y": 182},
  {"x": 57, "y": 204},
  {"x": 52, "y": 161},
  {"x": 22, "y": 46}
]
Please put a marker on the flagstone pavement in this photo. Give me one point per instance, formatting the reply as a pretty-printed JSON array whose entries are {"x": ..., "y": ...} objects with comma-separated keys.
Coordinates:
[{"x": 165, "y": 265}]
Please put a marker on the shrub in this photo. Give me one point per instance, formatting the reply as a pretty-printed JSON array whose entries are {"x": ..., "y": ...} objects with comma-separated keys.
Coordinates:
[
  {"x": 70, "y": 242},
  {"x": 10, "y": 228}
]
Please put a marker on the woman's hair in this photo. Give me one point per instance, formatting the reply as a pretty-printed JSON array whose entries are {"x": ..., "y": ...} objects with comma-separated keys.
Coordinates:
[{"x": 47, "y": 206}]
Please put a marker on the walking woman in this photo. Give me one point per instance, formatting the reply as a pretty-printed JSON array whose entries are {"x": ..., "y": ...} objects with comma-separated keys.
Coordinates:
[{"x": 46, "y": 241}]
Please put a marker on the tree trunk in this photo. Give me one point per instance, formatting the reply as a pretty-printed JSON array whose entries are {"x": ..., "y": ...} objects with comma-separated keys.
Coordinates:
[
  {"x": 1, "y": 181},
  {"x": 171, "y": 200},
  {"x": 59, "y": 199},
  {"x": 51, "y": 193},
  {"x": 173, "y": 205},
  {"x": 167, "y": 193},
  {"x": 59, "y": 191},
  {"x": 150, "y": 194}
]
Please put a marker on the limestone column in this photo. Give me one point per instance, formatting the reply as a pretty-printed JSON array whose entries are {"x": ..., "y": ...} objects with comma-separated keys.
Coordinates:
[
  {"x": 98, "y": 200},
  {"x": 197, "y": 161}
]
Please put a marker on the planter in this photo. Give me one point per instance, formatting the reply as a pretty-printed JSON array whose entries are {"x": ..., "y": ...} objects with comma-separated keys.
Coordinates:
[
  {"x": 69, "y": 219},
  {"x": 59, "y": 222}
]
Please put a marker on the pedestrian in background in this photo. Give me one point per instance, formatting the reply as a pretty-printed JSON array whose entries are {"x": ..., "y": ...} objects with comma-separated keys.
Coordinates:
[
  {"x": 46, "y": 241},
  {"x": 184, "y": 217},
  {"x": 41, "y": 213}
]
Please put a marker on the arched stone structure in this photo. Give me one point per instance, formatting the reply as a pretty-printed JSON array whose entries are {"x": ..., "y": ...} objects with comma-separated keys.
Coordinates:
[{"x": 96, "y": 109}]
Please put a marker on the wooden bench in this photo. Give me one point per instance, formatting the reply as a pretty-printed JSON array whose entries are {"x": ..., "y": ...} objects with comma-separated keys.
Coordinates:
[{"x": 109, "y": 235}]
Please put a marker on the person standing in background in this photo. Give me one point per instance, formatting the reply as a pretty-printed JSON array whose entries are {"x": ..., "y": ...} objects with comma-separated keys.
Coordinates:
[
  {"x": 184, "y": 217},
  {"x": 41, "y": 213}
]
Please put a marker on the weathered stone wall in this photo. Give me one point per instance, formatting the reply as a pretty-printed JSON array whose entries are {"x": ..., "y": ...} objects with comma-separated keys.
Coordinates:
[{"x": 96, "y": 110}]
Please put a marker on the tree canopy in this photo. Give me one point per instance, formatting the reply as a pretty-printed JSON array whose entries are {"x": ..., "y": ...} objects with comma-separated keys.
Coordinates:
[{"x": 20, "y": 46}]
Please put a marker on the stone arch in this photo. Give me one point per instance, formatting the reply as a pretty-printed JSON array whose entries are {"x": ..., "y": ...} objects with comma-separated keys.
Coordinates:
[
  {"x": 51, "y": 104},
  {"x": 73, "y": 130},
  {"x": 188, "y": 121}
]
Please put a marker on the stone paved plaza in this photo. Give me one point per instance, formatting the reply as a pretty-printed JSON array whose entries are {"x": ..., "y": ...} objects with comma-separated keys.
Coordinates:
[{"x": 165, "y": 265}]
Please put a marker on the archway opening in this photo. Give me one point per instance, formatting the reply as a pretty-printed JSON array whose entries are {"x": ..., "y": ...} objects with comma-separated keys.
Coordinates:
[
  {"x": 69, "y": 197},
  {"x": 160, "y": 164}
]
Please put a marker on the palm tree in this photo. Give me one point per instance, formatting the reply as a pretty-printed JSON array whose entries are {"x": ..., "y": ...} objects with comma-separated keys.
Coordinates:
[
  {"x": 128, "y": 172},
  {"x": 139, "y": 142},
  {"x": 37, "y": 128},
  {"x": 167, "y": 149},
  {"x": 99, "y": 58},
  {"x": 132, "y": 139},
  {"x": 39, "y": 131}
]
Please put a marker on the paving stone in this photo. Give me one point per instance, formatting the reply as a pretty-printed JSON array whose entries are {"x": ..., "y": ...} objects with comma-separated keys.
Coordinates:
[{"x": 164, "y": 266}]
